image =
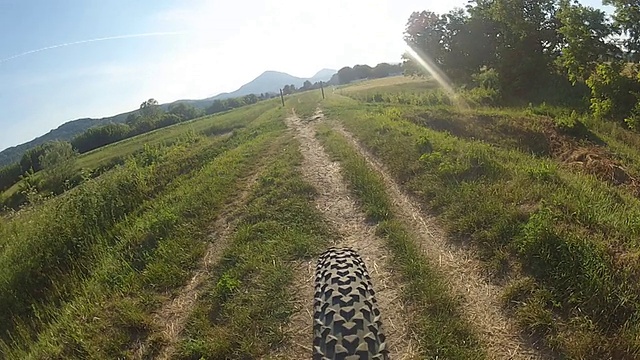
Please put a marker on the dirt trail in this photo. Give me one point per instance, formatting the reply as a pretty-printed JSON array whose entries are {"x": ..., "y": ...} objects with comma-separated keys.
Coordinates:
[
  {"x": 481, "y": 299},
  {"x": 172, "y": 317},
  {"x": 347, "y": 219}
]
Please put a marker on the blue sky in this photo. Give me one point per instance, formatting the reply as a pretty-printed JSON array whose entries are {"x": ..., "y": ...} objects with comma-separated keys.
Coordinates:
[{"x": 200, "y": 48}]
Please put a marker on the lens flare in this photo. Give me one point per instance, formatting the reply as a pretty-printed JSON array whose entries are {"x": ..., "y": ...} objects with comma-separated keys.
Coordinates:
[{"x": 428, "y": 65}]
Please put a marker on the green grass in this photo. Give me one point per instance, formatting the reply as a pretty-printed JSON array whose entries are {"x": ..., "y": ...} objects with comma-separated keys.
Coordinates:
[
  {"x": 305, "y": 103},
  {"x": 565, "y": 240},
  {"x": 212, "y": 125},
  {"x": 82, "y": 273},
  {"x": 439, "y": 323},
  {"x": 244, "y": 308},
  {"x": 98, "y": 161}
]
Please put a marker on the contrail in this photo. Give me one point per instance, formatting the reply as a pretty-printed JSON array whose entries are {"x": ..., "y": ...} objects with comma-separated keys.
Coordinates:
[{"x": 92, "y": 40}]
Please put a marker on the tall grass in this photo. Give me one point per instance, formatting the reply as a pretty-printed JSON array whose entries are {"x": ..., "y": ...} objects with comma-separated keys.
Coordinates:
[
  {"x": 96, "y": 162},
  {"x": 246, "y": 305},
  {"x": 82, "y": 273}
]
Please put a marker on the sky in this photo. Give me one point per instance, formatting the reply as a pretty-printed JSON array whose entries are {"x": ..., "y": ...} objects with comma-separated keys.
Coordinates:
[{"x": 68, "y": 59}]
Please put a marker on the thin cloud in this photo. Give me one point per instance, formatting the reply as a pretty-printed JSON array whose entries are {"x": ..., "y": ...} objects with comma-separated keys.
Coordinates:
[{"x": 92, "y": 40}]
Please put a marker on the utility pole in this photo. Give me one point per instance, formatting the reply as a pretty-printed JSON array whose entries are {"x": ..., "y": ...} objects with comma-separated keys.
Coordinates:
[
  {"x": 322, "y": 89},
  {"x": 282, "y": 97}
]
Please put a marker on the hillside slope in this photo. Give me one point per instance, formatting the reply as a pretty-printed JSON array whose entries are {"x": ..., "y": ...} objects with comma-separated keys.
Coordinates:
[
  {"x": 66, "y": 131},
  {"x": 267, "y": 82}
]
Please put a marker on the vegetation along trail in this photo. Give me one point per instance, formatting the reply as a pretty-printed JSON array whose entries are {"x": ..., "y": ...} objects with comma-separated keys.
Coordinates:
[
  {"x": 348, "y": 220},
  {"x": 481, "y": 299},
  {"x": 173, "y": 315}
]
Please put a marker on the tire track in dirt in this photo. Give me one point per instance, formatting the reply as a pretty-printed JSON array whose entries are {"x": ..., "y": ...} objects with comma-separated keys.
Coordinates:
[
  {"x": 173, "y": 315},
  {"x": 343, "y": 214},
  {"x": 481, "y": 299}
]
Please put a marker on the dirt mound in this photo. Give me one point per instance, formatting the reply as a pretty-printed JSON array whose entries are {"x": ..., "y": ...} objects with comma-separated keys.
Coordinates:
[{"x": 590, "y": 158}]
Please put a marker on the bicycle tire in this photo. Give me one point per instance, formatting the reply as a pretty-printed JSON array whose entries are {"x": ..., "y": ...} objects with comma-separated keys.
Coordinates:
[{"x": 347, "y": 324}]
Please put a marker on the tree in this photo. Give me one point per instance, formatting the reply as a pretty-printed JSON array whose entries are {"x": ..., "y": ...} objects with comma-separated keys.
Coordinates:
[
  {"x": 9, "y": 175},
  {"x": 288, "y": 89},
  {"x": 250, "y": 99},
  {"x": 627, "y": 18},
  {"x": 585, "y": 31},
  {"x": 233, "y": 103},
  {"x": 100, "y": 136},
  {"x": 307, "y": 85},
  {"x": 459, "y": 45},
  {"x": 150, "y": 108},
  {"x": 362, "y": 71},
  {"x": 525, "y": 38},
  {"x": 216, "y": 107},
  {"x": 185, "y": 111},
  {"x": 168, "y": 119},
  {"x": 346, "y": 75}
]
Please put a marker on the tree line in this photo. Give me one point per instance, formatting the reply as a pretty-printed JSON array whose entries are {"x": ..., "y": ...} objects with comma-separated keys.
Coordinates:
[
  {"x": 347, "y": 75},
  {"x": 537, "y": 50},
  {"x": 361, "y": 72}
]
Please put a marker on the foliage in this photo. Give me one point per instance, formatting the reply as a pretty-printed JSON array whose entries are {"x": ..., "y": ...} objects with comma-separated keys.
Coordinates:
[
  {"x": 149, "y": 108},
  {"x": 627, "y": 18},
  {"x": 613, "y": 93},
  {"x": 9, "y": 175},
  {"x": 359, "y": 72},
  {"x": 527, "y": 46},
  {"x": 586, "y": 32},
  {"x": 100, "y": 136},
  {"x": 185, "y": 111},
  {"x": 221, "y": 105},
  {"x": 289, "y": 89},
  {"x": 517, "y": 38}
]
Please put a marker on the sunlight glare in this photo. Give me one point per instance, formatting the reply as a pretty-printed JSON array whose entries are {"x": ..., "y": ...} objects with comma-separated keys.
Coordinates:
[{"x": 438, "y": 75}]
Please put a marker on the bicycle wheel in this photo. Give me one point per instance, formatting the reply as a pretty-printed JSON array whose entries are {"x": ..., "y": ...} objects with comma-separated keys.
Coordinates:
[{"x": 347, "y": 321}]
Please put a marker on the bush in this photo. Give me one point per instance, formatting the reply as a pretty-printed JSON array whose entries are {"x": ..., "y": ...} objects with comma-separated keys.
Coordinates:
[{"x": 614, "y": 94}]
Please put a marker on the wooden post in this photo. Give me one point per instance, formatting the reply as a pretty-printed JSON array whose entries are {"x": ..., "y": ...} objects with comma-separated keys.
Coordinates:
[
  {"x": 322, "y": 89},
  {"x": 282, "y": 97}
]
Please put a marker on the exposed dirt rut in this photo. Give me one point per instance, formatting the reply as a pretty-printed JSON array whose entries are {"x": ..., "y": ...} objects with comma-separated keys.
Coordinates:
[
  {"x": 481, "y": 299},
  {"x": 349, "y": 222},
  {"x": 172, "y": 317}
]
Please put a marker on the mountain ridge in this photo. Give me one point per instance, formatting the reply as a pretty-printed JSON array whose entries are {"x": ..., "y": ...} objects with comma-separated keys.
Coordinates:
[{"x": 269, "y": 81}]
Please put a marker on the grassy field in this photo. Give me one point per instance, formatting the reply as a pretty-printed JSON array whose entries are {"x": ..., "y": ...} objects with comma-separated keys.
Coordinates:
[
  {"x": 244, "y": 309},
  {"x": 113, "y": 249},
  {"x": 100, "y": 160},
  {"x": 549, "y": 201}
]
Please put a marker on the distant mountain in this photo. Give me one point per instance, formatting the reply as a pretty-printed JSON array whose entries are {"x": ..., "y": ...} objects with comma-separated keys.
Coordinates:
[
  {"x": 323, "y": 75},
  {"x": 267, "y": 82},
  {"x": 273, "y": 81}
]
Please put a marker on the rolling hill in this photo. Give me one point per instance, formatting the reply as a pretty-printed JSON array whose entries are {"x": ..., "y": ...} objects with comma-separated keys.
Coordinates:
[{"x": 269, "y": 81}]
